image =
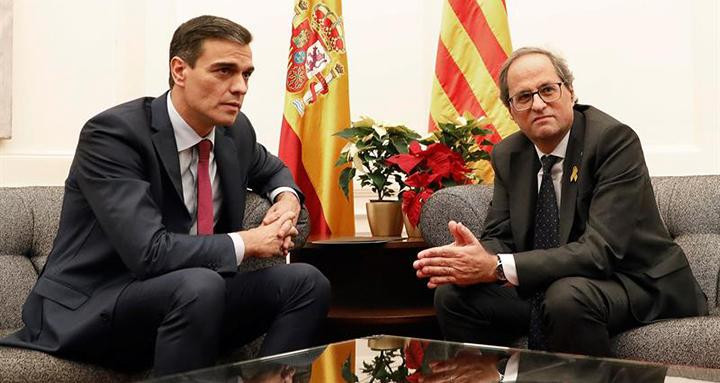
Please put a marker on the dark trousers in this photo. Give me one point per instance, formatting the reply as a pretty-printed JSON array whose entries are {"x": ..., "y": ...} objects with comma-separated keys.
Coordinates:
[
  {"x": 184, "y": 319},
  {"x": 579, "y": 314}
]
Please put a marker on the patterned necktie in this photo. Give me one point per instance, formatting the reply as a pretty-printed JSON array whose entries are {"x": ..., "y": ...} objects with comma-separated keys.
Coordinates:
[
  {"x": 205, "y": 218},
  {"x": 547, "y": 236}
]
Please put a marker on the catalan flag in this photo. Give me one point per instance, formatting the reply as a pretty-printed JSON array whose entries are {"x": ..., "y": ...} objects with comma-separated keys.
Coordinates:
[
  {"x": 474, "y": 43},
  {"x": 317, "y": 106}
]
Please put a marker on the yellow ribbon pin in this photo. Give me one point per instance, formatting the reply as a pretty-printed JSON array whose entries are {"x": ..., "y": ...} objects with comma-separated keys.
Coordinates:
[{"x": 574, "y": 175}]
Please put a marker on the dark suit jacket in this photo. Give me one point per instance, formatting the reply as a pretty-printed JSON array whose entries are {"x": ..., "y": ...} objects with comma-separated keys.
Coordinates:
[
  {"x": 123, "y": 219},
  {"x": 610, "y": 226}
]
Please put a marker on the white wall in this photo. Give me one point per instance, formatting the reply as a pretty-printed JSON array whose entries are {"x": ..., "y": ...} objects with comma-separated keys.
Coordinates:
[{"x": 651, "y": 63}]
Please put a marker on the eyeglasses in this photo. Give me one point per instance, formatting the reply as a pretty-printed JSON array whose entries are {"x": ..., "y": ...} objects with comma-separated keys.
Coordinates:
[{"x": 548, "y": 93}]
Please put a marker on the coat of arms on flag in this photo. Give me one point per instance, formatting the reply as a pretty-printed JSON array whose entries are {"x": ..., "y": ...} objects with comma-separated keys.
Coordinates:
[
  {"x": 317, "y": 40},
  {"x": 317, "y": 106}
]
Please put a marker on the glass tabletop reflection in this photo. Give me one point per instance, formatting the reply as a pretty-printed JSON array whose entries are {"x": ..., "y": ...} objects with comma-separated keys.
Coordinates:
[{"x": 384, "y": 359}]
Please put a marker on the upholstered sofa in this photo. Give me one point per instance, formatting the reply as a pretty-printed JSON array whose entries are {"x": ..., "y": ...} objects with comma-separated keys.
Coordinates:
[
  {"x": 28, "y": 223},
  {"x": 690, "y": 208}
]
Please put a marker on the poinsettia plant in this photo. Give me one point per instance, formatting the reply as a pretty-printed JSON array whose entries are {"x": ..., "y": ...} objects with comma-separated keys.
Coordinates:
[
  {"x": 370, "y": 145},
  {"x": 403, "y": 364},
  {"x": 447, "y": 157}
]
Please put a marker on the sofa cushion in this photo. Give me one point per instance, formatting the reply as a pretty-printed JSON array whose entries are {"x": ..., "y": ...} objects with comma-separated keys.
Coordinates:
[
  {"x": 18, "y": 277},
  {"x": 689, "y": 204},
  {"x": 699, "y": 249},
  {"x": 16, "y": 223},
  {"x": 689, "y": 341},
  {"x": 21, "y": 365},
  {"x": 45, "y": 202},
  {"x": 467, "y": 204}
]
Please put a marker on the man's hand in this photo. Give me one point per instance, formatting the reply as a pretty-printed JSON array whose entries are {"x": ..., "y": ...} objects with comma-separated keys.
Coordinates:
[
  {"x": 465, "y": 367},
  {"x": 270, "y": 240},
  {"x": 284, "y": 202},
  {"x": 463, "y": 262}
]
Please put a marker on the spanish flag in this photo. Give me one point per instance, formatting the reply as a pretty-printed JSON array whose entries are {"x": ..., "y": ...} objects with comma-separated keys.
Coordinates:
[
  {"x": 317, "y": 106},
  {"x": 474, "y": 43}
]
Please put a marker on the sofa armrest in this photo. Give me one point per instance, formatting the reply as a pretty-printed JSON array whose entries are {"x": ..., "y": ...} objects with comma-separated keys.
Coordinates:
[
  {"x": 255, "y": 209},
  {"x": 467, "y": 204}
]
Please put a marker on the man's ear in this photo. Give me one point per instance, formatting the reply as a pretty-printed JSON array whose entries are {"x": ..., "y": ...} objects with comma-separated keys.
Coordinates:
[
  {"x": 572, "y": 93},
  {"x": 178, "y": 67}
]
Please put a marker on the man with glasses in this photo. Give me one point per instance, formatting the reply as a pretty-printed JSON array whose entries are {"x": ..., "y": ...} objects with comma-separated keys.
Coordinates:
[{"x": 574, "y": 250}]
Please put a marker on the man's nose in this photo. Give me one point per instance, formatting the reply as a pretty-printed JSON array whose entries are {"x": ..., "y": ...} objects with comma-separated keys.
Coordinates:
[
  {"x": 538, "y": 102},
  {"x": 239, "y": 85}
]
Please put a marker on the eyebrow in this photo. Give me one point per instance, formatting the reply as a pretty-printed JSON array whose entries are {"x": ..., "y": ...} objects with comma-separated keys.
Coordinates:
[
  {"x": 223, "y": 64},
  {"x": 538, "y": 87}
]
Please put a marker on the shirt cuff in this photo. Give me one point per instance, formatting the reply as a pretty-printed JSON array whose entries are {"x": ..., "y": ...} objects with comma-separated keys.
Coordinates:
[
  {"x": 512, "y": 368},
  {"x": 239, "y": 247},
  {"x": 281, "y": 189},
  {"x": 508, "y": 265}
]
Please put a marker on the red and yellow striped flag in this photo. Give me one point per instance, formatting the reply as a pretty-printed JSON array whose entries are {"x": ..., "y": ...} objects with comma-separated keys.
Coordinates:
[
  {"x": 317, "y": 106},
  {"x": 474, "y": 43}
]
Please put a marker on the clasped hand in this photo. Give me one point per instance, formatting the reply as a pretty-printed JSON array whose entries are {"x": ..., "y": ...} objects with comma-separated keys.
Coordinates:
[
  {"x": 275, "y": 234},
  {"x": 463, "y": 262}
]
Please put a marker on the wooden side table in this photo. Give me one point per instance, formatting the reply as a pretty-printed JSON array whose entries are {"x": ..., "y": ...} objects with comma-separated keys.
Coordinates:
[{"x": 374, "y": 288}]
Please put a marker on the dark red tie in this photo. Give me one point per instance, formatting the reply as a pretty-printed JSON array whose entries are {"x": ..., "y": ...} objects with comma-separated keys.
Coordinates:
[{"x": 205, "y": 217}]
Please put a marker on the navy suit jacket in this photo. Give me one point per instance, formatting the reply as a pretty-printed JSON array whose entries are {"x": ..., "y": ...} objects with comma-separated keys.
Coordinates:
[
  {"x": 610, "y": 227},
  {"x": 123, "y": 218}
]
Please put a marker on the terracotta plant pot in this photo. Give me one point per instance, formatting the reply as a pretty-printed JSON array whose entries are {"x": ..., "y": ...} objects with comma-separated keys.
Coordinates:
[{"x": 385, "y": 218}]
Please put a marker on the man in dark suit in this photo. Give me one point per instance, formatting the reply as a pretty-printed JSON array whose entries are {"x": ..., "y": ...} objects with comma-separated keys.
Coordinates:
[
  {"x": 573, "y": 233},
  {"x": 142, "y": 270}
]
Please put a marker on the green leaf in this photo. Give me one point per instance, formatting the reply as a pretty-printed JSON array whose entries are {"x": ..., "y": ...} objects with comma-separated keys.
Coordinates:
[
  {"x": 346, "y": 177},
  {"x": 401, "y": 145},
  {"x": 354, "y": 132},
  {"x": 378, "y": 180},
  {"x": 348, "y": 375},
  {"x": 342, "y": 159}
]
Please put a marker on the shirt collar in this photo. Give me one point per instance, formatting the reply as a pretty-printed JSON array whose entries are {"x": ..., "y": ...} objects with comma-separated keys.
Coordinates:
[
  {"x": 185, "y": 136},
  {"x": 560, "y": 150}
]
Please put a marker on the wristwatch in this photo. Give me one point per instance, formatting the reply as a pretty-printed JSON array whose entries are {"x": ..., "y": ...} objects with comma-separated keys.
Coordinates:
[{"x": 499, "y": 272}]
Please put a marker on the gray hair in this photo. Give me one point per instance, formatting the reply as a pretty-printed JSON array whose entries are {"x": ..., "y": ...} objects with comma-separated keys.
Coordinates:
[{"x": 559, "y": 63}]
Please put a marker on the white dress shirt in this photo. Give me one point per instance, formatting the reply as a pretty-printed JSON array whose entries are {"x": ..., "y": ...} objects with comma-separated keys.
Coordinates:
[
  {"x": 186, "y": 140},
  {"x": 556, "y": 173}
]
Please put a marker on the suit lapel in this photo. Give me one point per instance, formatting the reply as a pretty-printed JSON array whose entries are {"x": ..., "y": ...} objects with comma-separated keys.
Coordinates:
[
  {"x": 573, "y": 160},
  {"x": 524, "y": 166},
  {"x": 164, "y": 140},
  {"x": 231, "y": 182}
]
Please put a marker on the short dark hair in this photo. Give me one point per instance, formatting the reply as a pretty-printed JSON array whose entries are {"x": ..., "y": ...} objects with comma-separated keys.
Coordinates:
[
  {"x": 188, "y": 37},
  {"x": 560, "y": 65}
]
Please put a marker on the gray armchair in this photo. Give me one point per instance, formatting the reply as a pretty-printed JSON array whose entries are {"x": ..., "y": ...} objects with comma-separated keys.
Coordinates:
[
  {"x": 690, "y": 208},
  {"x": 28, "y": 223}
]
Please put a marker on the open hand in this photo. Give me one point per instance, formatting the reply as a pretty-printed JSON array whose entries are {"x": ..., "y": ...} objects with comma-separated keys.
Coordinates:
[
  {"x": 465, "y": 367},
  {"x": 463, "y": 262}
]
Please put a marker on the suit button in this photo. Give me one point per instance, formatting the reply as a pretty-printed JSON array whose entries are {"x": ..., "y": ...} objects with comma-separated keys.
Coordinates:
[{"x": 104, "y": 316}]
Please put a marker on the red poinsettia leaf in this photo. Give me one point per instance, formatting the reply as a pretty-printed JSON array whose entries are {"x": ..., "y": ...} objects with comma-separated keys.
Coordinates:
[
  {"x": 418, "y": 180},
  {"x": 406, "y": 162},
  {"x": 414, "y": 354},
  {"x": 414, "y": 147},
  {"x": 411, "y": 206},
  {"x": 436, "y": 178},
  {"x": 413, "y": 202},
  {"x": 425, "y": 194},
  {"x": 415, "y": 377}
]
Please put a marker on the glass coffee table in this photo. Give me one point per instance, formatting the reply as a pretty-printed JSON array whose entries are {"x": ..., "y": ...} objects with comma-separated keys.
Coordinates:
[{"x": 396, "y": 359}]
